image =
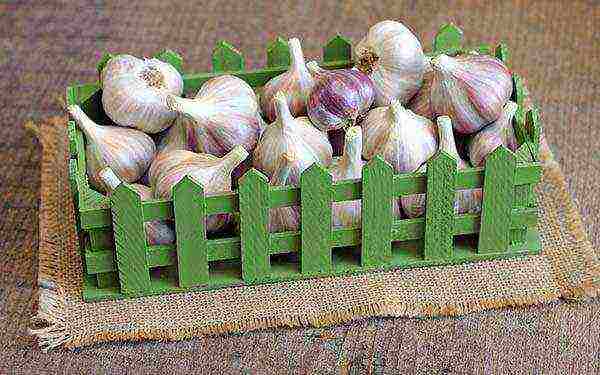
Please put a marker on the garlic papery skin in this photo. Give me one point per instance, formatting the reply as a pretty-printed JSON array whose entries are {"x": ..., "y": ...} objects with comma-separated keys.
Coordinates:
[
  {"x": 403, "y": 138},
  {"x": 158, "y": 232},
  {"x": 420, "y": 103},
  {"x": 128, "y": 152},
  {"x": 224, "y": 114},
  {"x": 212, "y": 172},
  {"x": 470, "y": 89},
  {"x": 339, "y": 97},
  {"x": 467, "y": 200},
  {"x": 296, "y": 84},
  {"x": 133, "y": 92},
  {"x": 293, "y": 136},
  {"x": 499, "y": 133},
  {"x": 283, "y": 219},
  {"x": 392, "y": 56},
  {"x": 176, "y": 137},
  {"x": 348, "y": 167}
]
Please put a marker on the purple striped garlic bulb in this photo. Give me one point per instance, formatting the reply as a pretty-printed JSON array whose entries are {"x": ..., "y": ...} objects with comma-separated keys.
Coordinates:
[
  {"x": 467, "y": 200},
  {"x": 348, "y": 167},
  {"x": 296, "y": 84},
  {"x": 213, "y": 173},
  {"x": 403, "y": 138},
  {"x": 158, "y": 232},
  {"x": 223, "y": 114},
  {"x": 470, "y": 89},
  {"x": 392, "y": 56},
  {"x": 499, "y": 133},
  {"x": 134, "y": 90},
  {"x": 283, "y": 219},
  {"x": 128, "y": 152},
  {"x": 294, "y": 136},
  {"x": 339, "y": 98},
  {"x": 421, "y": 102}
]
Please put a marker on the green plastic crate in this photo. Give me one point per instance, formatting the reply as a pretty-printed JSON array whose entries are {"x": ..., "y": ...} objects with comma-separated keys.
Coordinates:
[{"x": 119, "y": 263}]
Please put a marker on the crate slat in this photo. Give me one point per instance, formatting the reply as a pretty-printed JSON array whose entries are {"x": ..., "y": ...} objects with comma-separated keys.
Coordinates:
[
  {"x": 376, "y": 211},
  {"x": 439, "y": 211},
  {"x": 498, "y": 194},
  {"x": 192, "y": 253},
  {"x": 254, "y": 225},
  {"x": 226, "y": 58},
  {"x": 278, "y": 53},
  {"x": 316, "y": 193},
  {"x": 337, "y": 48}
]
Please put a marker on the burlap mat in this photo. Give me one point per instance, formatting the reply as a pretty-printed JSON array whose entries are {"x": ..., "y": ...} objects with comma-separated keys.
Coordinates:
[{"x": 567, "y": 267}]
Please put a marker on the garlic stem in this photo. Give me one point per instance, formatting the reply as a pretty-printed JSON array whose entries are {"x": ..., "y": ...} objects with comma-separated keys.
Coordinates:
[
  {"x": 191, "y": 107},
  {"x": 233, "y": 158},
  {"x": 296, "y": 55},
  {"x": 110, "y": 179},
  {"x": 283, "y": 111},
  {"x": 447, "y": 142},
  {"x": 83, "y": 121},
  {"x": 353, "y": 149}
]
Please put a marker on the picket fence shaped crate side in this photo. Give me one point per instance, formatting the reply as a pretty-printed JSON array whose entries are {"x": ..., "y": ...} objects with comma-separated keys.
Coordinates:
[{"x": 222, "y": 261}]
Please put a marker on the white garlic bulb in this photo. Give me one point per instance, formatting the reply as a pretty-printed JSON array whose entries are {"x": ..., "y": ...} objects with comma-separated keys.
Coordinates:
[
  {"x": 296, "y": 83},
  {"x": 403, "y": 138},
  {"x": 224, "y": 114},
  {"x": 420, "y": 103},
  {"x": 348, "y": 167},
  {"x": 499, "y": 133},
  {"x": 392, "y": 56},
  {"x": 283, "y": 219},
  {"x": 294, "y": 136},
  {"x": 128, "y": 152},
  {"x": 133, "y": 92}
]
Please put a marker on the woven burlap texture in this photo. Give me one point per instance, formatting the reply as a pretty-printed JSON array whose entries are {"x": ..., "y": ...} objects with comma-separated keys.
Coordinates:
[{"x": 568, "y": 267}]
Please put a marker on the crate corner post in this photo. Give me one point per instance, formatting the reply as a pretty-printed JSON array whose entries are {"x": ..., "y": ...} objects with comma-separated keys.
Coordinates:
[{"x": 227, "y": 58}]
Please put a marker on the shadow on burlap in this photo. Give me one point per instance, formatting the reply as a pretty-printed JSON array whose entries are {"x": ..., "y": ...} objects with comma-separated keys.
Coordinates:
[{"x": 567, "y": 267}]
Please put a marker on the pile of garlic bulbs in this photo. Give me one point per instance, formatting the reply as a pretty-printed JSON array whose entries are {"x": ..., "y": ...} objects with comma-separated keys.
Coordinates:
[{"x": 396, "y": 103}]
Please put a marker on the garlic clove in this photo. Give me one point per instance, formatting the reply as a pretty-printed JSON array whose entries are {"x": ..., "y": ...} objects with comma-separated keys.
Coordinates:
[
  {"x": 133, "y": 92},
  {"x": 347, "y": 167},
  {"x": 500, "y": 132},
  {"x": 420, "y": 103},
  {"x": 223, "y": 114},
  {"x": 296, "y": 84},
  {"x": 128, "y": 152},
  {"x": 158, "y": 232},
  {"x": 467, "y": 200},
  {"x": 213, "y": 173},
  {"x": 289, "y": 135},
  {"x": 339, "y": 97},
  {"x": 470, "y": 89},
  {"x": 284, "y": 218},
  {"x": 392, "y": 56},
  {"x": 403, "y": 138}
]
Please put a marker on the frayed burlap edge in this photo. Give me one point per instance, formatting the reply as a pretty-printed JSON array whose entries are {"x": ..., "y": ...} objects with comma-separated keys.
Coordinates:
[{"x": 59, "y": 293}]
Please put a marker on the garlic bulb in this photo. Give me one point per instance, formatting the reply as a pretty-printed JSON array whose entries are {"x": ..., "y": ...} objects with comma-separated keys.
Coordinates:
[
  {"x": 294, "y": 136},
  {"x": 467, "y": 200},
  {"x": 393, "y": 58},
  {"x": 133, "y": 92},
  {"x": 283, "y": 219},
  {"x": 339, "y": 97},
  {"x": 421, "y": 102},
  {"x": 213, "y": 173},
  {"x": 470, "y": 89},
  {"x": 128, "y": 152},
  {"x": 176, "y": 137},
  {"x": 158, "y": 232},
  {"x": 296, "y": 84},
  {"x": 223, "y": 114},
  {"x": 500, "y": 132},
  {"x": 402, "y": 138},
  {"x": 348, "y": 167}
]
